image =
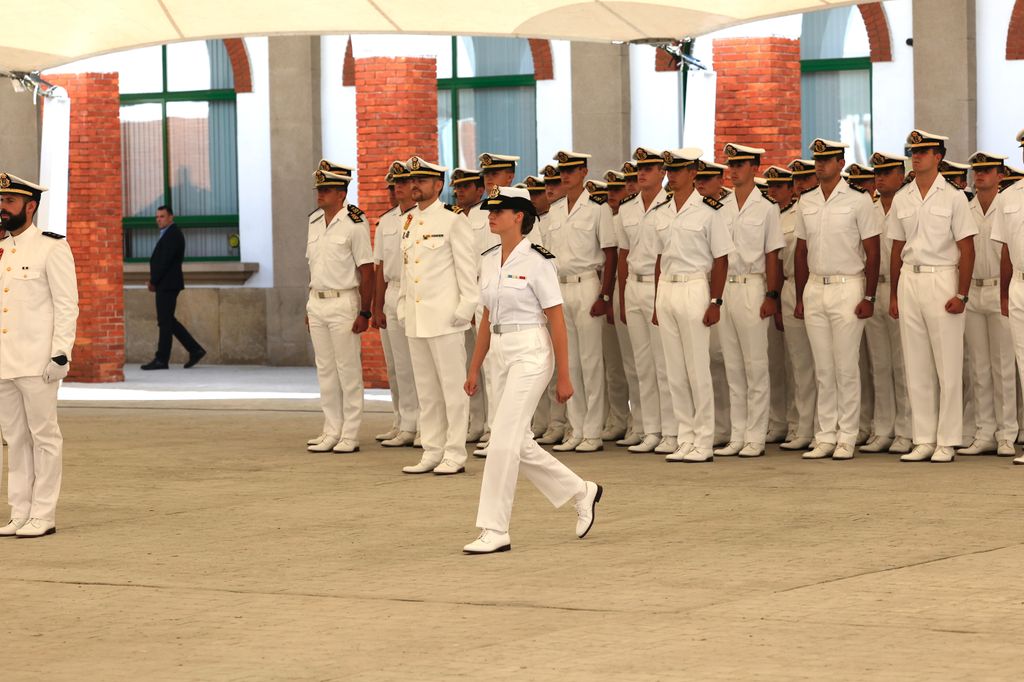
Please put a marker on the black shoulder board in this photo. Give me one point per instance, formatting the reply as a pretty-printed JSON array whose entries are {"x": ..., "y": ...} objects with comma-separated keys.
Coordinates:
[
  {"x": 314, "y": 212},
  {"x": 970, "y": 194},
  {"x": 855, "y": 188},
  {"x": 629, "y": 198},
  {"x": 490, "y": 249},
  {"x": 770, "y": 200},
  {"x": 725, "y": 193},
  {"x": 598, "y": 199},
  {"x": 1006, "y": 186},
  {"x": 53, "y": 235},
  {"x": 791, "y": 204},
  {"x": 713, "y": 203},
  {"x": 542, "y": 251},
  {"x": 355, "y": 214},
  {"x": 950, "y": 181},
  {"x": 390, "y": 210},
  {"x": 453, "y": 209},
  {"x": 668, "y": 200}
]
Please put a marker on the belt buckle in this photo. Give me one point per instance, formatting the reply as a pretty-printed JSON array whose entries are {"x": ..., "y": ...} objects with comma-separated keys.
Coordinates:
[{"x": 826, "y": 280}]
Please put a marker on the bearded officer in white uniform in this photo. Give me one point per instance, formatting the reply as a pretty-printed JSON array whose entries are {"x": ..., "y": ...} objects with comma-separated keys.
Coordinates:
[
  {"x": 522, "y": 299},
  {"x": 693, "y": 247},
  {"x": 387, "y": 254},
  {"x": 837, "y": 265},
  {"x": 437, "y": 300},
  {"x": 580, "y": 226},
  {"x": 637, "y": 226},
  {"x": 338, "y": 310},
  {"x": 39, "y": 301},
  {"x": 801, "y": 389},
  {"x": 932, "y": 263},
  {"x": 987, "y": 336},
  {"x": 751, "y": 298}
]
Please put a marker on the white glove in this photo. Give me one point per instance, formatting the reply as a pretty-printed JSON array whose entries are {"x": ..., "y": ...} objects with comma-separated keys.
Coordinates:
[{"x": 54, "y": 372}]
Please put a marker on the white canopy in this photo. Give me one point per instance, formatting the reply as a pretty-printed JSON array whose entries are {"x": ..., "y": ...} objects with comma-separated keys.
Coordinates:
[{"x": 47, "y": 33}]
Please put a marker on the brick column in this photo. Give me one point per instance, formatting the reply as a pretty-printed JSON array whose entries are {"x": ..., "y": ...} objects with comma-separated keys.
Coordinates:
[
  {"x": 94, "y": 224},
  {"x": 758, "y": 97},
  {"x": 396, "y": 117}
]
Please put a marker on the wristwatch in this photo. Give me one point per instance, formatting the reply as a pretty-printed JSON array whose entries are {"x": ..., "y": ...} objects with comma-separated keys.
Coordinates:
[
  {"x": 606, "y": 298},
  {"x": 963, "y": 299},
  {"x": 365, "y": 313},
  {"x": 771, "y": 294},
  {"x": 716, "y": 301},
  {"x": 870, "y": 299}
]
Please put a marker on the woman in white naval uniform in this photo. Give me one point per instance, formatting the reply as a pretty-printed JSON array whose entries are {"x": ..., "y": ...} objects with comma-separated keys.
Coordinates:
[{"x": 521, "y": 296}]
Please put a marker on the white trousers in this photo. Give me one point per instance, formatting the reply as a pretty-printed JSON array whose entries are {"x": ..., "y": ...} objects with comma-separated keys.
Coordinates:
[
  {"x": 636, "y": 414},
  {"x": 801, "y": 365},
  {"x": 649, "y": 356},
  {"x": 744, "y": 337},
  {"x": 339, "y": 366},
  {"x": 396, "y": 355},
  {"x": 780, "y": 399},
  {"x": 439, "y": 365},
  {"x": 586, "y": 359},
  {"x": 882, "y": 354},
  {"x": 523, "y": 366},
  {"x": 616, "y": 394},
  {"x": 28, "y": 420},
  {"x": 1017, "y": 326},
  {"x": 933, "y": 352},
  {"x": 835, "y": 332},
  {"x": 681, "y": 308},
  {"x": 991, "y": 359},
  {"x": 720, "y": 381},
  {"x": 479, "y": 408}
]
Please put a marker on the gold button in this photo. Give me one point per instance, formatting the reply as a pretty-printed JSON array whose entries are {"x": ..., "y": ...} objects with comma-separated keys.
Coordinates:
[
  {"x": 14, "y": 251},
  {"x": 8, "y": 268},
  {"x": 417, "y": 261},
  {"x": 417, "y": 280},
  {"x": 417, "y": 241},
  {"x": 421, "y": 222},
  {"x": 5, "y": 310},
  {"x": 4, "y": 331},
  {"x": 417, "y": 300},
  {"x": 6, "y": 290}
]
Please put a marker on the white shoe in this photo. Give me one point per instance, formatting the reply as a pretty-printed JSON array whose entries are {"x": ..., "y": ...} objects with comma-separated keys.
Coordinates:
[
  {"x": 489, "y": 542},
  {"x": 423, "y": 467},
  {"x": 36, "y": 528},
  {"x": 920, "y": 453},
  {"x": 326, "y": 445},
  {"x": 820, "y": 451},
  {"x": 943, "y": 453},
  {"x": 480, "y": 452},
  {"x": 751, "y": 450},
  {"x": 612, "y": 433},
  {"x": 12, "y": 527},
  {"x": 448, "y": 467},
  {"x": 681, "y": 451},
  {"x": 730, "y": 449},
  {"x": 698, "y": 456},
  {"x": 1006, "y": 449},
  {"x": 1019, "y": 460},
  {"x": 551, "y": 436},
  {"x": 795, "y": 443},
  {"x": 648, "y": 444},
  {"x": 978, "y": 447},
  {"x": 667, "y": 446},
  {"x": 585, "y": 505},
  {"x": 631, "y": 438},
  {"x": 537, "y": 433},
  {"x": 346, "y": 445},
  {"x": 402, "y": 439},
  {"x": 877, "y": 444},
  {"x": 416, "y": 441},
  {"x": 775, "y": 436},
  {"x": 862, "y": 437},
  {"x": 474, "y": 436},
  {"x": 482, "y": 445},
  {"x": 387, "y": 435},
  {"x": 843, "y": 451},
  {"x": 590, "y": 445},
  {"x": 568, "y": 446},
  {"x": 317, "y": 439},
  {"x": 900, "y": 446}
]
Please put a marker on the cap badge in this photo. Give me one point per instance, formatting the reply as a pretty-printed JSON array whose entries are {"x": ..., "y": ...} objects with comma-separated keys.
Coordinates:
[
  {"x": 641, "y": 153},
  {"x": 819, "y": 146},
  {"x": 562, "y": 157},
  {"x": 915, "y": 138},
  {"x": 494, "y": 192},
  {"x": 486, "y": 159},
  {"x": 325, "y": 166},
  {"x": 414, "y": 163},
  {"x": 320, "y": 177},
  {"x": 730, "y": 150}
]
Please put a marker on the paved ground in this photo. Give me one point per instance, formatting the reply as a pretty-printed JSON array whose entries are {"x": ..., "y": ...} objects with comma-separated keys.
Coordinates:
[{"x": 198, "y": 540}]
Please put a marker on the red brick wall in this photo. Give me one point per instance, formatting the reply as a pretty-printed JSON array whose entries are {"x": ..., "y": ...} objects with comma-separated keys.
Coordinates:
[
  {"x": 877, "y": 26},
  {"x": 94, "y": 224},
  {"x": 540, "y": 50},
  {"x": 396, "y": 117},
  {"x": 240, "y": 67},
  {"x": 1015, "y": 32},
  {"x": 758, "y": 96}
]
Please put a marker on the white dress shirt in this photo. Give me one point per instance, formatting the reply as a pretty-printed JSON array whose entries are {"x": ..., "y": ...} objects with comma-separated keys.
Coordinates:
[
  {"x": 577, "y": 237},
  {"x": 930, "y": 225},
  {"x": 787, "y": 223},
  {"x": 635, "y": 227},
  {"x": 835, "y": 229},
  {"x": 518, "y": 291},
  {"x": 691, "y": 238},
  {"x": 336, "y": 251},
  {"x": 987, "y": 253},
  {"x": 1008, "y": 223},
  {"x": 387, "y": 244},
  {"x": 755, "y": 231}
]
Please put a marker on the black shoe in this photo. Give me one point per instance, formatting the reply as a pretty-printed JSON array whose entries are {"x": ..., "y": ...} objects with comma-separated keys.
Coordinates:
[
  {"x": 154, "y": 364},
  {"x": 194, "y": 358}
]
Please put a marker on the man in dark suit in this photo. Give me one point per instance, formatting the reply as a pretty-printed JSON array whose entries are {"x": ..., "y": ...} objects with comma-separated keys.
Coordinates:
[{"x": 166, "y": 279}]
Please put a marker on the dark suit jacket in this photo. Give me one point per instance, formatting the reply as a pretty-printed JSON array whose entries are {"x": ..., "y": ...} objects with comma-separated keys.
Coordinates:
[{"x": 165, "y": 263}]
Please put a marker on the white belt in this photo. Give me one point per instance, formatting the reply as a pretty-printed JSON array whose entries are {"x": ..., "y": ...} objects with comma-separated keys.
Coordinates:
[
  {"x": 641, "y": 278},
  {"x": 687, "y": 277},
  {"x": 836, "y": 279},
  {"x": 509, "y": 328},
  {"x": 985, "y": 282},
  {"x": 931, "y": 268},
  {"x": 330, "y": 293},
  {"x": 567, "y": 279},
  {"x": 743, "y": 279},
  {"x": 1018, "y": 275}
]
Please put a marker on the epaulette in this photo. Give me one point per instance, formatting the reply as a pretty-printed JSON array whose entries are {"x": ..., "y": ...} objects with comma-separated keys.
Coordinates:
[
  {"x": 1004, "y": 187},
  {"x": 725, "y": 192},
  {"x": 490, "y": 249},
  {"x": 315, "y": 210},
  {"x": 598, "y": 199},
  {"x": 875, "y": 198},
  {"x": 542, "y": 251},
  {"x": 770, "y": 200},
  {"x": 791, "y": 204},
  {"x": 713, "y": 203},
  {"x": 855, "y": 188},
  {"x": 950, "y": 181},
  {"x": 355, "y": 214},
  {"x": 629, "y": 198},
  {"x": 390, "y": 210},
  {"x": 453, "y": 209},
  {"x": 970, "y": 194},
  {"x": 668, "y": 200},
  {"x": 53, "y": 235}
]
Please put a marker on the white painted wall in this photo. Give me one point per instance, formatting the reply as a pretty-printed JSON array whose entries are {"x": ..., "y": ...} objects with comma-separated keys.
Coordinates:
[
  {"x": 554, "y": 106},
  {"x": 1000, "y": 91},
  {"x": 254, "y": 162},
  {"x": 338, "y": 110},
  {"x": 892, "y": 83},
  {"x": 654, "y": 101}
]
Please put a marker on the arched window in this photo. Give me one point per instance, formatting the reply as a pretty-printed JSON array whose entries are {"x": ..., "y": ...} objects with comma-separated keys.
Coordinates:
[
  {"x": 179, "y": 148},
  {"x": 488, "y": 104},
  {"x": 836, "y": 80}
]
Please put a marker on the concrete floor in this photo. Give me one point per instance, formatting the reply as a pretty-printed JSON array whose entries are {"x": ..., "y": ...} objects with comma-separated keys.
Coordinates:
[{"x": 198, "y": 540}]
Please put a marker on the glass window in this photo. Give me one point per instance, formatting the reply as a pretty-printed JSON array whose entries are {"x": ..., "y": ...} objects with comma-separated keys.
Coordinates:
[
  {"x": 493, "y": 57},
  {"x": 834, "y": 34},
  {"x": 179, "y": 148}
]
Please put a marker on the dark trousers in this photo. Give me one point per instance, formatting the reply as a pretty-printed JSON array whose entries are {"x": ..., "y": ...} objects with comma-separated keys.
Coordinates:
[{"x": 171, "y": 328}]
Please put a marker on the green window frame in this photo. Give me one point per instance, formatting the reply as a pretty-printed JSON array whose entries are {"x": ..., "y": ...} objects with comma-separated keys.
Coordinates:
[{"x": 162, "y": 98}]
